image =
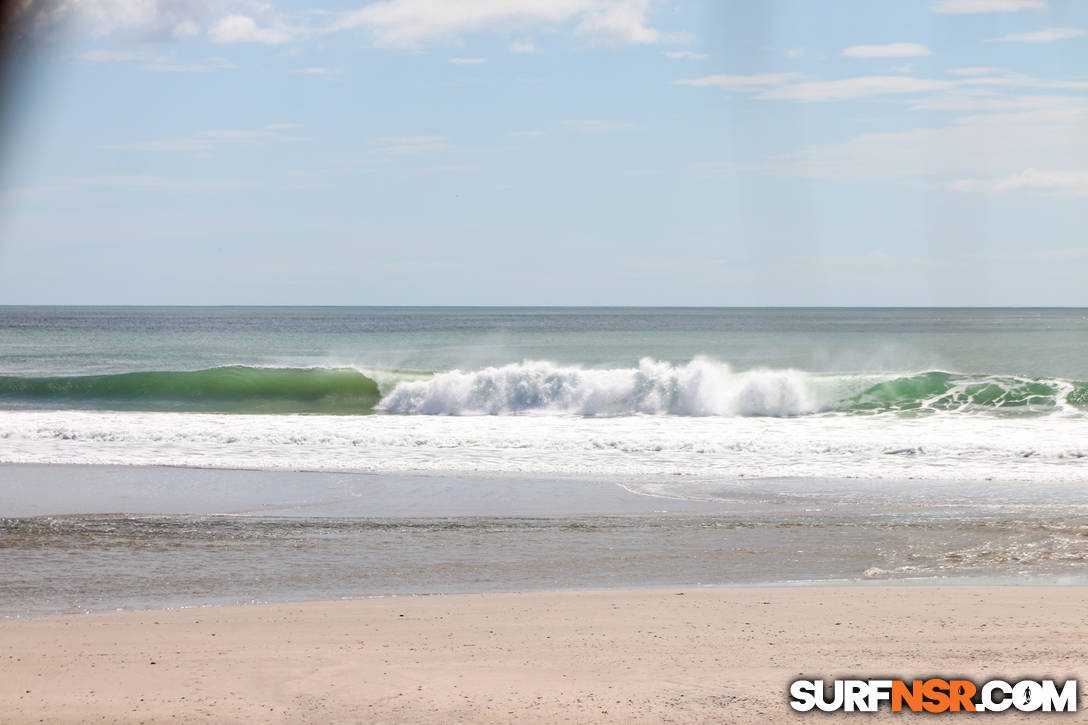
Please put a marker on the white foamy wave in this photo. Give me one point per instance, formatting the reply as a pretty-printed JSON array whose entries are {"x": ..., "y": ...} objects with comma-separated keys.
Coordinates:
[
  {"x": 666, "y": 450},
  {"x": 701, "y": 387}
]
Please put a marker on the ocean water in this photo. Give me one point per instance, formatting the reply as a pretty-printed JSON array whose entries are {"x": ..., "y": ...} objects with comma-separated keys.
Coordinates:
[
  {"x": 222, "y": 455},
  {"x": 931, "y": 394}
]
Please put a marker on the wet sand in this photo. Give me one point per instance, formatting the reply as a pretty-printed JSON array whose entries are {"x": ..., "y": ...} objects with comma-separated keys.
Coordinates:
[{"x": 631, "y": 656}]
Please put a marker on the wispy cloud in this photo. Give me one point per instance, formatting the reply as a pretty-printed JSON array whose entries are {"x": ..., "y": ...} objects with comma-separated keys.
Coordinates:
[
  {"x": 208, "y": 140},
  {"x": 118, "y": 56},
  {"x": 412, "y": 145},
  {"x": 315, "y": 71},
  {"x": 416, "y": 23},
  {"x": 755, "y": 81},
  {"x": 446, "y": 169},
  {"x": 968, "y": 88},
  {"x": 405, "y": 24},
  {"x": 234, "y": 29},
  {"x": 158, "y": 63},
  {"x": 972, "y": 148},
  {"x": 986, "y": 6},
  {"x": 468, "y": 61},
  {"x": 975, "y": 70},
  {"x": 845, "y": 89},
  {"x": 1020, "y": 80},
  {"x": 129, "y": 182},
  {"x": 1049, "y": 35},
  {"x": 891, "y": 50},
  {"x": 143, "y": 20},
  {"x": 522, "y": 47},
  {"x": 685, "y": 55},
  {"x": 1055, "y": 183},
  {"x": 205, "y": 66},
  {"x": 976, "y": 101},
  {"x": 527, "y": 134},
  {"x": 595, "y": 125}
]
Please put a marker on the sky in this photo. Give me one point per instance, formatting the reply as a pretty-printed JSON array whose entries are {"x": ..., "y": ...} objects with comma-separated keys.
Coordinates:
[{"x": 549, "y": 152}]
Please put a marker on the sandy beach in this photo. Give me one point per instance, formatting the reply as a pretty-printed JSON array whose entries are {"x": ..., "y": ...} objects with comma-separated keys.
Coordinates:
[{"x": 663, "y": 655}]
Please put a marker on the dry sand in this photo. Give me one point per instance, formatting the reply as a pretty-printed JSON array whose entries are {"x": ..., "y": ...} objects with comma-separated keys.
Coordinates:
[{"x": 674, "y": 655}]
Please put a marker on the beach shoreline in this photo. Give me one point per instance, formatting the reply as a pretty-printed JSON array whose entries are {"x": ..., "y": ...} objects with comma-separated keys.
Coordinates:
[
  {"x": 676, "y": 654},
  {"x": 154, "y": 538}
]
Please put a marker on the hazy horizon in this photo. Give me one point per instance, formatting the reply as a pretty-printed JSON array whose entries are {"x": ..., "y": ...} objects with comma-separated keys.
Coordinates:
[{"x": 590, "y": 152}]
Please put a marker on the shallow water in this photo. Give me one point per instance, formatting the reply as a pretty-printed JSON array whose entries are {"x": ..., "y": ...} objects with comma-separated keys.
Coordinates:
[
  {"x": 192, "y": 537},
  {"x": 497, "y": 449}
]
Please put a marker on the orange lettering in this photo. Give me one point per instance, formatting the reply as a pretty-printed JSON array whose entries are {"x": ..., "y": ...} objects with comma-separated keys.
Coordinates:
[
  {"x": 911, "y": 695},
  {"x": 936, "y": 691},
  {"x": 961, "y": 692}
]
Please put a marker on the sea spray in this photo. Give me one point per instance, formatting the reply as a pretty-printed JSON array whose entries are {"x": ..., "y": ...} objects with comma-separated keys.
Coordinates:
[{"x": 701, "y": 387}]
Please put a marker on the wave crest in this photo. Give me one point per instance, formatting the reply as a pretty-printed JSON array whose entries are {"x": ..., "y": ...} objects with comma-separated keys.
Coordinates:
[{"x": 701, "y": 387}]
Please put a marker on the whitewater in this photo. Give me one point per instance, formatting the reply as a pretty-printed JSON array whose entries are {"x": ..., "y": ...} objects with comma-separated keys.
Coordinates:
[
  {"x": 625, "y": 395},
  {"x": 372, "y": 451},
  {"x": 939, "y": 447}
]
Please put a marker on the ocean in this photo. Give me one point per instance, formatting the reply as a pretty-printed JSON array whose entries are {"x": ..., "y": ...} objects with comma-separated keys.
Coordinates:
[{"x": 961, "y": 434}]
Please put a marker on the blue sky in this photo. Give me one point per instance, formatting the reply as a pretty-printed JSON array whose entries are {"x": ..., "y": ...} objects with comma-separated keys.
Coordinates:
[{"x": 628, "y": 152}]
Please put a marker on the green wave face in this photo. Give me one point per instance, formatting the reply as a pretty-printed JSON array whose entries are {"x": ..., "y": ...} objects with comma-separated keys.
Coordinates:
[
  {"x": 346, "y": 391},
  {"x": 940, "y": 391},
  {"x": 233, "y": 389}
]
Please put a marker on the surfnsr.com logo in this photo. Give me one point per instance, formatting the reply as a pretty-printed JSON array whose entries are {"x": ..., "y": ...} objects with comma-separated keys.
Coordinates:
[{"x": 933, "y": 695}]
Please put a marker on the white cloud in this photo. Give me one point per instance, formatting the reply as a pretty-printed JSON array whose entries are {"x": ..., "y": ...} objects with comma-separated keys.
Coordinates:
[
  {"x": 315, "y": 71},
  {"x": 115, "y": 56},
  {"x": 205, "y": 66},
  {"x": 415, "y": 23},
  {"x": 208, "y": 140},
  {"x": 468, "y": 61},
  {"x": 891, "y": 50},
  {"x": 971, "y": 100},
  {"x": 987, "y": 6},
  {"x": 234, "y": 29},
  {"x": 622, "y": 21},
  {"x": 685, "y": 55},
  {"x": 134, "y": 182},
  {"x": 162, "y": 63},
  {"x": 975, "y": 70},
  {"x": 527, "y": 134},
  {"x": 1056, "y": 183},
  {"x": 186, "y": 29},
  {"x": 1019, "y": 80},
  {"x": 1048, "y": 35},
  {"x": 409, "y": 24},
  {"x": 798, "y": 53},
  {"x": 595, "y": 125},
  {"x": 756, "y": 81},
  {"x": 185, "y": 67},
  {"x": 979, "y": 146},
  {"x": 140, "y": 19},
  {"x": 447, "y": 169},
  {"x": 412, "y": 145},
  {"x": 972, "y": 88},
  {"x": 846, "y": 89}
]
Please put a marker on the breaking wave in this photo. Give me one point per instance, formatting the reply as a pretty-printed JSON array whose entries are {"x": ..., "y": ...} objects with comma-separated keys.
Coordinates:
[
  {"x": 702, "y": 387},
  {"x": 707, "y": 387}
]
